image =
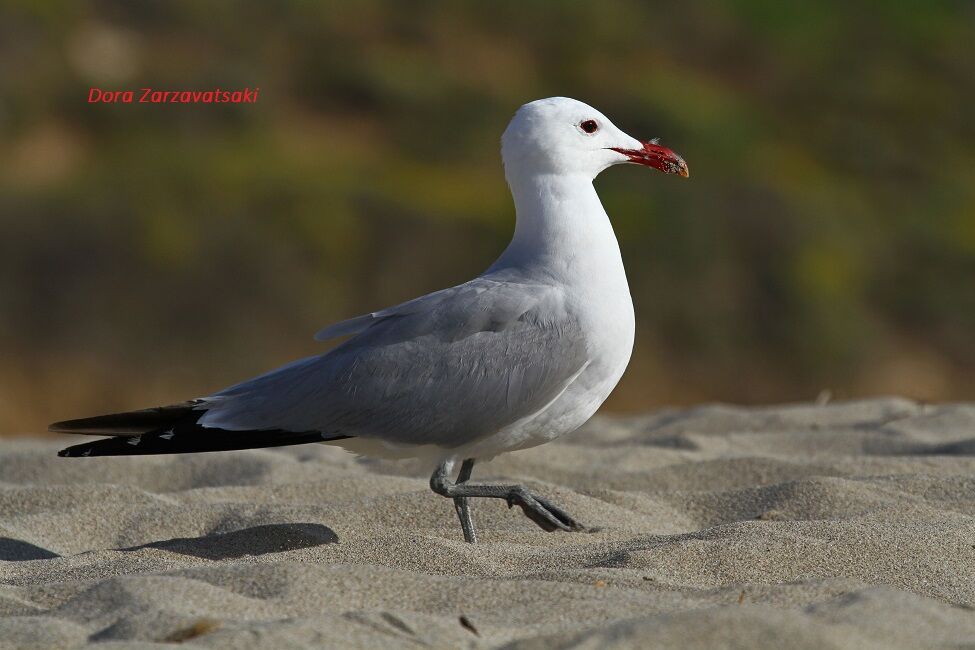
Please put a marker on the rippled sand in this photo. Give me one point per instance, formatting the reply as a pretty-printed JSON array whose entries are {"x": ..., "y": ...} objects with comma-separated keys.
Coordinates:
[{"x": 841, "y": 526}]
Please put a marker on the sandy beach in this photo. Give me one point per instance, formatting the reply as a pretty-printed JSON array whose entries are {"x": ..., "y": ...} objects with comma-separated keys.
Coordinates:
[{"x": 849, "y": 525}]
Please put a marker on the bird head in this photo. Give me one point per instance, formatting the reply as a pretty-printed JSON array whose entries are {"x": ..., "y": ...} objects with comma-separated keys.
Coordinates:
[{"x": 559, "y": 135}]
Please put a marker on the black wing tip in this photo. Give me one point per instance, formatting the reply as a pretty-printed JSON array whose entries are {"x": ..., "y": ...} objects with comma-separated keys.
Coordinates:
[
  {"x": 194, "y": 439},
  {"x": 65, "y": 426},
  {"x": 75, "y": 451},
  {"x": 132, "y": 422}
]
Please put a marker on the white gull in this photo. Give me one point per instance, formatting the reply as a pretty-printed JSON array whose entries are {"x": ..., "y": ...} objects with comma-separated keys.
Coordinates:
[{"x": 518, "y": 356}]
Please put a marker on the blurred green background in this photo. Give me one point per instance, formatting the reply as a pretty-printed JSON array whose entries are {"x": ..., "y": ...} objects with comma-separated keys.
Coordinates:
[{"x": 149, "y": 253}]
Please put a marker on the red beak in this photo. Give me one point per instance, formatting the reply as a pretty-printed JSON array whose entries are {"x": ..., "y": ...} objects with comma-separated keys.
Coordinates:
[{"x": 656, "y": 156}]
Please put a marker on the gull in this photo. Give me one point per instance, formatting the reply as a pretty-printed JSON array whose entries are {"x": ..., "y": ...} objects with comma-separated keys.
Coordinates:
[{"x": 515, "y": 358}]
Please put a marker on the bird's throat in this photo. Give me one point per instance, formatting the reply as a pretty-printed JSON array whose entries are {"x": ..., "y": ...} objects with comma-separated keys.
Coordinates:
[{"x": 561, "y": 228}]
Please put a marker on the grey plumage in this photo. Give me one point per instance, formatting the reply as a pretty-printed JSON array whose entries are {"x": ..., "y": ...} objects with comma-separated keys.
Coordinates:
[{"x": 445, "y": 369}]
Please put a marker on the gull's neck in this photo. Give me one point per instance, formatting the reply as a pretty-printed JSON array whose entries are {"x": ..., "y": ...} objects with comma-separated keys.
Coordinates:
[{"x": 562, "y": 230}]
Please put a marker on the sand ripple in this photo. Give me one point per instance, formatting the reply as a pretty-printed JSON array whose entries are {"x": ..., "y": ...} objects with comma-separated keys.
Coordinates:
[{"x": 841, "y": 526}]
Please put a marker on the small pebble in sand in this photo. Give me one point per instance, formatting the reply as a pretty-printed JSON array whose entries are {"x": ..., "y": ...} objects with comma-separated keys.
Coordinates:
[
  {"x": 467, "y": 625},
  {"x": 198, "y": 628}
]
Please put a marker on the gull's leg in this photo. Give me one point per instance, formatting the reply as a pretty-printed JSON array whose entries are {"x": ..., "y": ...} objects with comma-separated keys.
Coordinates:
[
  {"x": 463, "y": 505},
  {"x": 547, "y": 515}
]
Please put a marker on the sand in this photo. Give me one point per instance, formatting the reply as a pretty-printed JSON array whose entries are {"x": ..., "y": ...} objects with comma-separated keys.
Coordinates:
[{"x": 838, "y": 526}]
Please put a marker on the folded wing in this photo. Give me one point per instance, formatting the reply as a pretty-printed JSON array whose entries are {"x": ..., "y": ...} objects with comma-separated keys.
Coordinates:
[{"x": 444, "y": 369}]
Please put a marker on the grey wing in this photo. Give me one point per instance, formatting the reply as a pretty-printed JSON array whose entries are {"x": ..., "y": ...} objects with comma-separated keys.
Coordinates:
[
  {"x": 361, "y": 323},
  {"x": 457, "y": 366}
]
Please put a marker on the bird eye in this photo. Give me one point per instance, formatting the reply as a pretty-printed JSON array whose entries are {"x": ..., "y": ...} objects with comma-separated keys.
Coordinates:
[{"x": 589, "y": 126}]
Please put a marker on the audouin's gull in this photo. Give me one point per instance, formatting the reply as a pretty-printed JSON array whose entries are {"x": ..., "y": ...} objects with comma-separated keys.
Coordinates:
[{"x": 512, "y": 359}]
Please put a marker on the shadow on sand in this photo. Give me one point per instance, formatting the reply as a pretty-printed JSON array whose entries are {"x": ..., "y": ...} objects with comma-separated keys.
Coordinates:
[
  {"x": 15, "y": 550},
  {"x": 256, "y": 540}
]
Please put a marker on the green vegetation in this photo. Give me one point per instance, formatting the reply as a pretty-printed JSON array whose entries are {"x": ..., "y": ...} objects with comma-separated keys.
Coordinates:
[{"x": 826, "y": 238}]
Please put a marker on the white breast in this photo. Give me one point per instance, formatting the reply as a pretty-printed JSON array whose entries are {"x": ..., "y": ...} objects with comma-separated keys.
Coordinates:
[{"x": 599, "y": 297}]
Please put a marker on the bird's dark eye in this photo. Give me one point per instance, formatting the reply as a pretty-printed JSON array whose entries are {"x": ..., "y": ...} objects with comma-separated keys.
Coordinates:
[{"x": 589, "y": 126}]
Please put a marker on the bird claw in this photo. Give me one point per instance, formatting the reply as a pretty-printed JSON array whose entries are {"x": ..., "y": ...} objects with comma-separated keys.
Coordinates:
[{"x": 548, "y": 516}]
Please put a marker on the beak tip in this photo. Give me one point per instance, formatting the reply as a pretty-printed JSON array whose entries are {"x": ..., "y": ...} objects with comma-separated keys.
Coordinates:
[{"x": 653, "y": 154}]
